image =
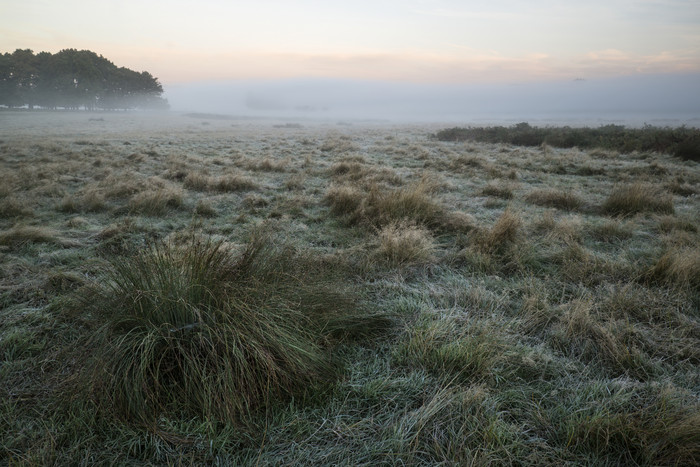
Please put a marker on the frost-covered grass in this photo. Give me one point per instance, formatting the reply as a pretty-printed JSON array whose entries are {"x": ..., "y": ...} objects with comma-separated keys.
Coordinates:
[{"x": 413, "y": 301}]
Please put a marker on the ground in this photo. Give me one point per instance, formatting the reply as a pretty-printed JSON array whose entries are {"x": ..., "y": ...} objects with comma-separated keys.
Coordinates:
[{"x": 541, "y": 304}]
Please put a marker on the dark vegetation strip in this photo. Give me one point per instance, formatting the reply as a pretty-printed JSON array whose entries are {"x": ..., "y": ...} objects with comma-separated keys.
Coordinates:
[{"x": 682, "y": 142}]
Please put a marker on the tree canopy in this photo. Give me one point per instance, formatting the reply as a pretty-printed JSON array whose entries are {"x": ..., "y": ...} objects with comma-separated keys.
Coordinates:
[{"x": 74, "y": 79}]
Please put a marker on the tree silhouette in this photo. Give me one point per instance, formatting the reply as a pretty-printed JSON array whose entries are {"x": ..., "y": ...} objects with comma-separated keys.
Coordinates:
[{"x": 74, "y": 79}]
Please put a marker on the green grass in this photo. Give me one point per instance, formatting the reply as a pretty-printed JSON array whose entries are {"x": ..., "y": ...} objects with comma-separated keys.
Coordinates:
[{"x": 200, "y": 330}]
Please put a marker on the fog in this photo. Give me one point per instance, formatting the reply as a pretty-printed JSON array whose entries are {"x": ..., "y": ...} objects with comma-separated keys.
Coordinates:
[{"x": 666, "y": 100}]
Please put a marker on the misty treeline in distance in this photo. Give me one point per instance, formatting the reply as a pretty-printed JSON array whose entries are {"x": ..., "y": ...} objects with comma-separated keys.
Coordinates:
[{"x": 74, "y": 79}]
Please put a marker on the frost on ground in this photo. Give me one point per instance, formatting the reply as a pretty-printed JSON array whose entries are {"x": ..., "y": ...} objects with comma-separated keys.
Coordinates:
[{"x": 532, "y": 305}]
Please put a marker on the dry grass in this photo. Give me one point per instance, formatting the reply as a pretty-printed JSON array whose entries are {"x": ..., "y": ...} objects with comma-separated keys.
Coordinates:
[
  {"x": 196, "y": 181},
  {"x": 504, "y": 232},
  {"x": 11, "y": 207},
  {"x": 681, "y": 268},
  {"x": 498, "y": 191},
  {"x": 230, "y": 183},
  {"x": 225, "y": 183},
  {"x": 555, "y": 199},
  {"x": 156, "y": 202},
  {"x": 380, "y": 207},
  {"x": 405, "y": 243},
  {"x": 611, "y": 231},
  {"x": 638, "y": 198},
  {"x": 23, "y": 234}
]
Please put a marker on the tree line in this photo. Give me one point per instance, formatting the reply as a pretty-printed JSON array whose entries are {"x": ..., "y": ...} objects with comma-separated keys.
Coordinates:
[{"x": 74, "y": 79}]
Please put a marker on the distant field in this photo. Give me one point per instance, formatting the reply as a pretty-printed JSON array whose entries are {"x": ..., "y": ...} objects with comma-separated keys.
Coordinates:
[{"x": 197, "y": 290}]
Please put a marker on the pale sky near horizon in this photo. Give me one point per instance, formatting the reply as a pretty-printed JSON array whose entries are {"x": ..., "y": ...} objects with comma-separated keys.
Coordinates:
[{"x": 419, "y": 41}]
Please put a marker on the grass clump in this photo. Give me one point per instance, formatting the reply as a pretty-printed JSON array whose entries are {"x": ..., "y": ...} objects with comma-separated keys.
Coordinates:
[
  {"x": 505, "y": 232},
  {"x": 23, "y": 234},
  {"x": 497, "y": 191},
  {"x": 449, "y": 347},
  {"x": 637, "y": 198},
  {"x": 555, "y": 199},
  {"x": 225, "y": 183},
  {"x": 230, "y": 183},
  {"x": 634, "y": 427},
  {"x": 155, "y": 202},
  {"x": 681, "y": 267},
  {"x": 12, "y": 207},
  {"x": 199, "y": 330},
  {"x": 404, "y": 243},
  {"x": 380, "y": 208}
]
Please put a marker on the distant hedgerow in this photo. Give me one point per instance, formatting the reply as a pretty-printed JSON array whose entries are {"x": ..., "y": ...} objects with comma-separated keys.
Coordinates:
[{"x": 682, "y": 141}]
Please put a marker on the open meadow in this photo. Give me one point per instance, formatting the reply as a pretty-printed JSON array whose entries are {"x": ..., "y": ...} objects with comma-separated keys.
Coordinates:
[{"x": 183, "y": 289}]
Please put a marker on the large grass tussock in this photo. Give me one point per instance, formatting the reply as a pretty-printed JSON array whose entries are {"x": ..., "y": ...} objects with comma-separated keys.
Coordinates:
[{"x": 202, "y": 330}]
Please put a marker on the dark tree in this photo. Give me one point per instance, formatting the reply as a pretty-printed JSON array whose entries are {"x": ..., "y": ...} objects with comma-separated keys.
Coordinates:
[{"x": 74, "y": 79}]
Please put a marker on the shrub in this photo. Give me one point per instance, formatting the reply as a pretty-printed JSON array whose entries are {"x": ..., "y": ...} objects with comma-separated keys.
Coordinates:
[
  {"x": 683, "y": 142},
  {"x": 689, "y": 150},
  {"x": 637, "y": 198},
  {"x": 198, "y": 330}
]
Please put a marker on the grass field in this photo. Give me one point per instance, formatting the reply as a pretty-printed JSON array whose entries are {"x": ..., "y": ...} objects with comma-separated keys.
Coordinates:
[{"x": 178, "y": 290}]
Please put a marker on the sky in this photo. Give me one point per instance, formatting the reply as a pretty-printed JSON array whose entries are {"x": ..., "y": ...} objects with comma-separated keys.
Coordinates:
[{"x": 408, "y": 42}]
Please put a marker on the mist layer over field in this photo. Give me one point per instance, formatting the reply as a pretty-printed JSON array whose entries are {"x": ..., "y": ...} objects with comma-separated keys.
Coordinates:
[{"x": 660, "y": 100}]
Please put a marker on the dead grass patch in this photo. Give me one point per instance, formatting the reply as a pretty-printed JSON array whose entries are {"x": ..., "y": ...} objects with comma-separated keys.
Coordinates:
[
  {"x": 504, "y": 232},
  {"x": 555, "y": 199},
  {"x": 668, "y": 224},
  {"x": 196, "y": 181},
  {"x": 611, "y": 231},
  {"x": 20, "y": 235},
  {"x": 156, "y": 202},
  {"x": 404, "y": 243},
  {"x": 681, "y": 268},
  {"x": 380, "y": 207},
  {"x": 11, "y": 206},
  {"x": 638, "y": 198},
  {"x": 497, "y": 191},
  {"x": 231, "y": 183}
]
